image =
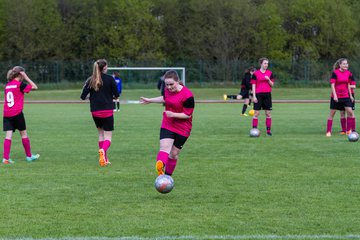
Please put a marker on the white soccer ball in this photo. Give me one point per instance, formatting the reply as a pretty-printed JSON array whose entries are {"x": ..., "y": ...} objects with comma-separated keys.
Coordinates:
[
  {"x": 164, "y": 183},
  {"x": 353, "y": 137},
  {"x": 254, "y": 132}
]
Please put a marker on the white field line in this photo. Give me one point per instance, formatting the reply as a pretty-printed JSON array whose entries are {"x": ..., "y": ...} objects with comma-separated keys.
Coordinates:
[
  {"x": 196, "y": 101},
  {"x": 234, "y": 237}
]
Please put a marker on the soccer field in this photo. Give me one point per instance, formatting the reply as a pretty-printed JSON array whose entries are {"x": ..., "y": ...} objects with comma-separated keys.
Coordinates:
[{"x": 297, "y": 184}]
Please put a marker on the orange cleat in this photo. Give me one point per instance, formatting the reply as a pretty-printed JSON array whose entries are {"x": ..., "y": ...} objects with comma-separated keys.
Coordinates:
[
  {"x": 102, "y": 158},
  {"x": 160, "y": 167}
]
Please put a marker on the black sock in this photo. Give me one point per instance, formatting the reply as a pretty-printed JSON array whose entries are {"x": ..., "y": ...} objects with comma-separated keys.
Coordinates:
[
  {"x": 244, "y": 108},
  {"x": 118, "y": 105}
]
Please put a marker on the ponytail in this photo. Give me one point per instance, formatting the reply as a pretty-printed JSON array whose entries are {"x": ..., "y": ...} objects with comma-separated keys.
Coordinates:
[{"x": 96, "y": 81}]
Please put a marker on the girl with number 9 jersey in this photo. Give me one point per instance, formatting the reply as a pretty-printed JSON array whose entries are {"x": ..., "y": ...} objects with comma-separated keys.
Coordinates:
[{"x": 13, "y": 117}]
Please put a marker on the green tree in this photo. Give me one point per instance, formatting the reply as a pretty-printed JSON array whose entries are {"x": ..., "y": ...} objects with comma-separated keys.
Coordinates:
[
  {"x": 319, "y": 29},
  {"x": 131, "y": 31},
  {"x": 31, "y": 29},
  {"x": 270, "y": 36},
  {"x": 111, "y": 29},
  {"x": 83, "y": 28}
]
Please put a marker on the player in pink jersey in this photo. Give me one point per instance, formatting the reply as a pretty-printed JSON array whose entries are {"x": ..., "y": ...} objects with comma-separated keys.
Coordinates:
[
  {"x": 343, "y": 112},
  {"x": 262, "y": 83},
  {"x": 341, "y": 97},
  {"x": 13, "y": 117},
  {"x": 102, "y": 89},
  {"x": 176, "y": 123}
]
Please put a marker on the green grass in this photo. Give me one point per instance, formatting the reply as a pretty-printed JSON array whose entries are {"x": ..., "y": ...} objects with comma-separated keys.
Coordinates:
[
  {"x": 297, "y": 182},
  {"x": 200, "y": 94}
]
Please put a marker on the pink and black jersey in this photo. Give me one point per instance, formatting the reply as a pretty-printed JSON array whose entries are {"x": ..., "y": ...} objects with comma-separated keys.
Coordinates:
[
  {"x": 262, "y": 84},
  {"x": 341, "y": 81},
  {"x": 14, "y": 97},
  {"x": 179, "y": 102}
]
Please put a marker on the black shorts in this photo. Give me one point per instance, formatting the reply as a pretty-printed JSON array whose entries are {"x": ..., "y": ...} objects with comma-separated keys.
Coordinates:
[
  {"x": 245, "y": 93},
  {"x": 15, "y": 122},
  {"x": 341, "y": 104},
  {"x": 179, "y": 140},
  {"x": 352, "y": 103},
  {"x": 105, "y": 123},
  {"x": 264, "y": 101}
]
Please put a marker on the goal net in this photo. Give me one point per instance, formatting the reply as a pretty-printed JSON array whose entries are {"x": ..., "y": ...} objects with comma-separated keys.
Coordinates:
[{"x": 142, "y": 73}]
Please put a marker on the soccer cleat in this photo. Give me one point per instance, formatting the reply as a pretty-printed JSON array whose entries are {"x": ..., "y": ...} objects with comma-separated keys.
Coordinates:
[
  {"x": 160, "y": 167},
  {"x": 225, "y": 97},
  {"x": 269, "y": 134},
  {"x": 244, "y": 114},
  {"x": 107, "y": 162},
  {"x": 348, "y": 132},
  {"x": 102, "y": 157},
  {"x": 343, "y": 132},
  {"x": 328, "y": 134},
  {"x": 32, "y": 158},
  {"x": 6, "y": 161}
]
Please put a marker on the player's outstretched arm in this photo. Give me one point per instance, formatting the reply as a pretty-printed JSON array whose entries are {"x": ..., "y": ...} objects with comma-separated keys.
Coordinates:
[{"x": 144, "y": 100}]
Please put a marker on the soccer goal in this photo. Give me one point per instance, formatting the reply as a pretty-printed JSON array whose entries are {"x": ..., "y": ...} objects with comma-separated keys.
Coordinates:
[{"x": 178, "y": 69}]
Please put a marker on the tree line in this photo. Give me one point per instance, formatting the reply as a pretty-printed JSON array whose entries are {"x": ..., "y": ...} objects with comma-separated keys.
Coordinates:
[{"x": 169, "y": 31}]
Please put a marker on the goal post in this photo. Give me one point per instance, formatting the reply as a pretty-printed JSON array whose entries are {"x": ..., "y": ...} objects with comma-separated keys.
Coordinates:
[{"x": 181, "y": 69}]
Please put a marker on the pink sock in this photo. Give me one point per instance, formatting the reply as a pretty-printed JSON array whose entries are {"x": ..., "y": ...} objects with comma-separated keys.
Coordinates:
[
  {"x": 329, "y": 125},
  {"x": 354, "y": 125},
  {"x": 255, "y": 122},
  {"x": 268, "y": 124},
  {"x": 7, "y": 147},
  {"x": 170, "y": 167},
  {"x": 343, "y": 124},
  {"x": 163, "y": 156},
  {"x": 26, "y": 144},
  {"x": 106, "y": 145},
  {"x": 350, "y": 122},
  {"x": 101, "y": 143}
]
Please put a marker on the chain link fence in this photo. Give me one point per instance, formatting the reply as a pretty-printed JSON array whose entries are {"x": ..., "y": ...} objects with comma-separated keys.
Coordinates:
[{"x": 198, "y": 72}]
